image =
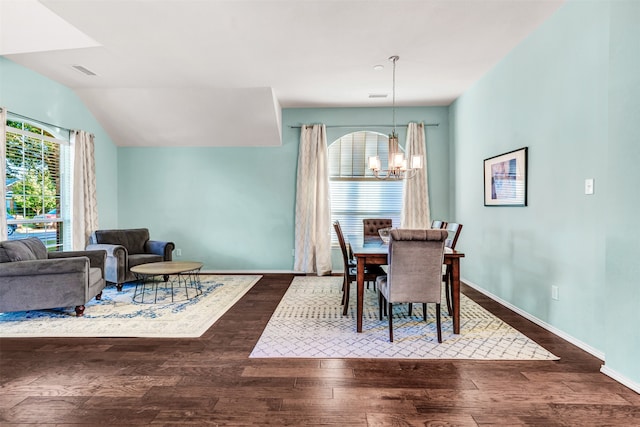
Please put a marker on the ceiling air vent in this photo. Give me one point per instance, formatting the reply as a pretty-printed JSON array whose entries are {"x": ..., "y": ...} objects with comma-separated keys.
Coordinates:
[{"x": 84, "y": 70}]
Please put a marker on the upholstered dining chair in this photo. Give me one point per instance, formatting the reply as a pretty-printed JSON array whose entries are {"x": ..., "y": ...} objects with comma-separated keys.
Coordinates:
[
  {"x": 453, "y": 231},
  {"x": 370, "y": 226},
  {"x": 414, "y": 274},
  {"x": 350, "y": 269}
]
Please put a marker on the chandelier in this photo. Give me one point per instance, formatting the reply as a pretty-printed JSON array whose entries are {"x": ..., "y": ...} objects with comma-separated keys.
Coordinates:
[{"x": 398, "y": 168}]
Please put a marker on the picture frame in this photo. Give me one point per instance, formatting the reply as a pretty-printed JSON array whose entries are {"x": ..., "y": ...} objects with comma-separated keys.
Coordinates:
[{"x": 505, "y": 179}]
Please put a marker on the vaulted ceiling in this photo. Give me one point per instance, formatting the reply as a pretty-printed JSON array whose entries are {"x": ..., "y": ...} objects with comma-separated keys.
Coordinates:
[{"x": 217, "y": 73}]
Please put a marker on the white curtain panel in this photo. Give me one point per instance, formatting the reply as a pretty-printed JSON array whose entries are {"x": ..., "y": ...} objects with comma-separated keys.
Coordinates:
[
  {"x": 85, "y": 204},
  {"x": 313, "y": 205},
  {"x": 3, "y": 173},
  {"x": 415, "y": 195}
]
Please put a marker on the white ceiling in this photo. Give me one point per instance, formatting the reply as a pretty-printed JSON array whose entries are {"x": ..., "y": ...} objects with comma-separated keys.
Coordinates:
[{"x": 227, "y": 67}]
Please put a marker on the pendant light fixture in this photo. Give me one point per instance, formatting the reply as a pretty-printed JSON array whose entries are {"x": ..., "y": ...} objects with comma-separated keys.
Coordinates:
[{"x": 397, "y": 163}]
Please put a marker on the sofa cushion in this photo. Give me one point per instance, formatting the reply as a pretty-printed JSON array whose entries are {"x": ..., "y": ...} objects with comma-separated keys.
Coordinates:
[
  {"x": 22, "y": 250},
  {"x": 37, "y": 247},
  {"x": 133, "y": 240}
]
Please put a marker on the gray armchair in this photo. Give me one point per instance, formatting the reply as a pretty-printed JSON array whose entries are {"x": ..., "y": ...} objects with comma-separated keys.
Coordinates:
[
  {"x": 33, "y": 279},
  {"x": 127, "y": 248},
  {"x": 415, "y": 272}
]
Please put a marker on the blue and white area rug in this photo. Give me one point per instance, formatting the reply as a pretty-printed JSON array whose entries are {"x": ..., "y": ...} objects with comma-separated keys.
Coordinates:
[
  {"x": 116, "y": 315},
  {"x": 308, "y": 323}
]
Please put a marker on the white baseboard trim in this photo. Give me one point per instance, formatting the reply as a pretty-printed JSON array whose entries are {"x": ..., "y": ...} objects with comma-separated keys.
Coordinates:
[
  {"x": 545, "y": 325},
  {"x": 620, "y": 378}
]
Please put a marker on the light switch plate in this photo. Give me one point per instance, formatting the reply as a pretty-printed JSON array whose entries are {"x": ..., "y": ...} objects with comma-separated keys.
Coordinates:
[{"x": 588, "y": 186}]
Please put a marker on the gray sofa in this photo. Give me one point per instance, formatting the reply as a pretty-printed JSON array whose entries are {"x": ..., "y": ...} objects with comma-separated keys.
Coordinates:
[
  {"x": 31, "y": 278},
  {"x": 127, "y": 248}
]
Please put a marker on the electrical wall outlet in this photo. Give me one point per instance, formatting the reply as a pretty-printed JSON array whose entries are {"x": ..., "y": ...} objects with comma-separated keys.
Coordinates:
[
  {"x": 178, "y": 252},
  {"x": 588, "y": 186},
  {"x": 555, "y": 293}
]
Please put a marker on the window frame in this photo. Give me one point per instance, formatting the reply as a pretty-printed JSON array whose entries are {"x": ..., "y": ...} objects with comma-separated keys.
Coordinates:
[
  {"x": 357, "y": 147},
  {"x": 45, "y": 139}
]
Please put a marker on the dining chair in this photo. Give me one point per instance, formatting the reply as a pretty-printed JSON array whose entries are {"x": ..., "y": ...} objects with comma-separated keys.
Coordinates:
[
  {"x": 453, "y": 232},
  {"x": 371, "y": 272},
  {"x": 370, "y": 226},
  {"x": 438, "y": 224},
  {"x": 414, "y": 273}
]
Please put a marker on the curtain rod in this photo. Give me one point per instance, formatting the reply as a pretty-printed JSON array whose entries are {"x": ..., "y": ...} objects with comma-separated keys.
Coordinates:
[
  {"x": 365, "y": 126},
  {"x": 38, "y": 121}
]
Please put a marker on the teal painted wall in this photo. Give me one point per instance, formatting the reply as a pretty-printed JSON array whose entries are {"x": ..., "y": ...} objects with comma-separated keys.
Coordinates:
[
  {"x": 622, "y": 343},
  {"x": 559, "y": 94},
  {"x": 27, "y": 93},
  {"x": 233, "y": 208}
]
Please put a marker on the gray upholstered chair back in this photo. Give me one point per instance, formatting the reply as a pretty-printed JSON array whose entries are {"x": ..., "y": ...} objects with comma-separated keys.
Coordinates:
[
  {"x": 415, "y": 265},
  {"x": 134, "y": 240}
]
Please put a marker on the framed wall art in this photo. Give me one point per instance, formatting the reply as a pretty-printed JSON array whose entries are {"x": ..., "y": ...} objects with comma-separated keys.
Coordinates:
[{"x": 505, "y": 179}]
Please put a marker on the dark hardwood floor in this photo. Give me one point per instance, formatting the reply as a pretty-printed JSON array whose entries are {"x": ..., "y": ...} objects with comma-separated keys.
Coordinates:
[{"x": 211, "y": 381}]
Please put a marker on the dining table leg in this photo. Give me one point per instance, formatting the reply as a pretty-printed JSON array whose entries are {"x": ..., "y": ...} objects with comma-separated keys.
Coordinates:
[
  {"x": 455, "y": 290},
  {"x": 360, "y": 296}
]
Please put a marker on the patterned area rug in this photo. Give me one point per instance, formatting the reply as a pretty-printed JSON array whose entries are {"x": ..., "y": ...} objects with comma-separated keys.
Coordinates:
[
  {"x": 116, "y": 315},
  {"x": 308, "y": 323}
]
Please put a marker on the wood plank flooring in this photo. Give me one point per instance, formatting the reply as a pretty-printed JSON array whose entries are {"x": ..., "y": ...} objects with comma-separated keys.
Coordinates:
[{"x": 211, "y": 381}]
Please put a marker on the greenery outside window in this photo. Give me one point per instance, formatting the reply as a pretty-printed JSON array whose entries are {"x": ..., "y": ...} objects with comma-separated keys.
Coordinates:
[
  {"x": 355, "y": 192},
  {"x": 38, "y": 182}
]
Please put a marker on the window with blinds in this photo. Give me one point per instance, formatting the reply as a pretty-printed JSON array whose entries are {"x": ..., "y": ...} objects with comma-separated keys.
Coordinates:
[
  {"x": 355, "y": 192},
  {"x": 38, "y": 183}
]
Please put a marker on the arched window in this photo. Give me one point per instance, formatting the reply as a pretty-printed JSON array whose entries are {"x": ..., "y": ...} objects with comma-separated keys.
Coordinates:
[
  {"x": 38, "y": 182},
  {"x": 355, "y": 193}
]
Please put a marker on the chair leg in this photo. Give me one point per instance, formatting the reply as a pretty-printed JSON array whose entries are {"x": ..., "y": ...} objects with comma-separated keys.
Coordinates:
[
  {"x": 410, "y": 308},
  {"x": 380, "y": 304},
  {"x": 447, "y": 289},
  {"x": 344, "y": 288},
  {"x": 79, "y": 310},
  {"x": 438, "y": 323},
  {"x": 347, "y": 290},
  {"x": 390, "y": 322},
  {"x": 424, "y": 311}
]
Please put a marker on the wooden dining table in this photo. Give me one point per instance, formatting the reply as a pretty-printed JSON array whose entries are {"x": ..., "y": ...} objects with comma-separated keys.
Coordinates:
[{"x": 374, "y": 251}]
